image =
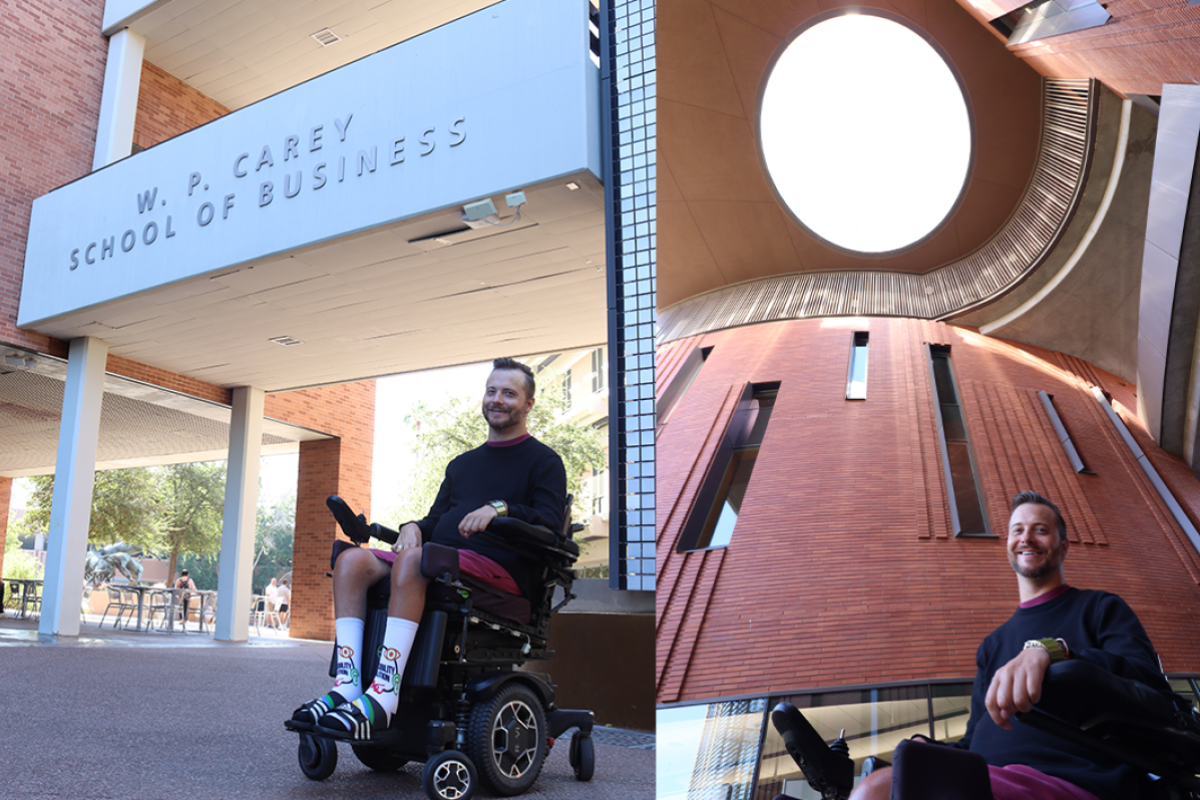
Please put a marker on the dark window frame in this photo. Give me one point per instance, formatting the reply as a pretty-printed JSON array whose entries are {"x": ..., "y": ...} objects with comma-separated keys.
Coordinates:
[
  {"x": 738, "y": 439},
  {"x": 933, "y": 351}
]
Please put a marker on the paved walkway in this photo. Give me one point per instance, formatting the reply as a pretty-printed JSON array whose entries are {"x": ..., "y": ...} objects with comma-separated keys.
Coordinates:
[{"x": 158, "y": 716}]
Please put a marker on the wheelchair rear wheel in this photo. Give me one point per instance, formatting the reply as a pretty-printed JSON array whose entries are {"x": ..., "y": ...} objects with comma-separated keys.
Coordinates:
[
  {"x": 377, "y": 758},
  {"x": 449, "y": 775},
  {"x": 583, "y": 757},
  {"x": 506, "y": 739},
  {"x": 318, "y": 757}
]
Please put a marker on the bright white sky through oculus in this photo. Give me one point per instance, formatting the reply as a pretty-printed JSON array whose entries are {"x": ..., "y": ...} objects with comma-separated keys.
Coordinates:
[{"x": 865, "y": 133}]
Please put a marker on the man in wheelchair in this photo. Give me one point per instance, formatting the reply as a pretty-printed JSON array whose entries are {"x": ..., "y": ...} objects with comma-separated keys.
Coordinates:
[
  {"x": 1098, "y": 648},
  {"x": 511, "y": 474}
]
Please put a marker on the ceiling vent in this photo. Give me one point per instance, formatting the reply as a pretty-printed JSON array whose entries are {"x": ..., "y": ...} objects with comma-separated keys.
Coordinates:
[
  {"x": 326, "y": 37},
  {"x": 286, "y": 341}
]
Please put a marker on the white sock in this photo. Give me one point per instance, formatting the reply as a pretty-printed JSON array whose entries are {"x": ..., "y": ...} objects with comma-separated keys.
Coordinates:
[
  {"x": 346, "y": 683},
  {"x": 397, "y": 643}
]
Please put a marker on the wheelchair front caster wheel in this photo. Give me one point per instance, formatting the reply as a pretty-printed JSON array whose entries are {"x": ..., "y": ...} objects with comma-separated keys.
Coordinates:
[
  {"x": 582, "y": 756},
  {"x": 449, "y": 775},
  {"x": 318, "y": 757}
]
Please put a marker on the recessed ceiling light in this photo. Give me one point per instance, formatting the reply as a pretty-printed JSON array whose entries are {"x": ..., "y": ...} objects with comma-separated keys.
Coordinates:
[
  {"x": 286, "y": 341},
  {"x": 572, "y": 186},
  {"x": 326, "y": 37}
]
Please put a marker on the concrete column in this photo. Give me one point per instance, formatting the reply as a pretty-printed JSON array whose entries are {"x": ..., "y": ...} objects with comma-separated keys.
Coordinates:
[
  {"x": 5, "y": 499},
  {"x": 1170, "y": 187},
  {"x": 118, "y": 105},
  {"x": 74, "y": 475},
  {"x": 241, "y": 504}
]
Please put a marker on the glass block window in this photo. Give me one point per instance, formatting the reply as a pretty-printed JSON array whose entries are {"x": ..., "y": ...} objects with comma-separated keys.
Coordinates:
[{"x": 627, "y": 90}]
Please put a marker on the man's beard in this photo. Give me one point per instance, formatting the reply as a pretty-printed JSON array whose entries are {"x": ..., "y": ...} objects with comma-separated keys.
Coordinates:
[
  {"x": 1047, "y": 567},
  {"x": 505, "y": 422}
]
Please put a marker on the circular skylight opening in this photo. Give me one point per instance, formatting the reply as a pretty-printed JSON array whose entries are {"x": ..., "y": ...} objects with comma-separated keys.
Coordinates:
[{"x": 865, "y": 133}]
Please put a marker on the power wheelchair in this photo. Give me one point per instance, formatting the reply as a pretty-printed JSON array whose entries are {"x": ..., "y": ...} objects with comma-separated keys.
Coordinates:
[
  {"x": 1155, "y": 732},
  {"x": 465, "y": 710}
]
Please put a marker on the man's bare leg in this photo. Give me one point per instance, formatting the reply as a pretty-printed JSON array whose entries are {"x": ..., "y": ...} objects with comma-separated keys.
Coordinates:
[
  {"x": 876, "y": 786},
  {"x": 355, "y": 571},
  {"x": 373, "y": 711}
]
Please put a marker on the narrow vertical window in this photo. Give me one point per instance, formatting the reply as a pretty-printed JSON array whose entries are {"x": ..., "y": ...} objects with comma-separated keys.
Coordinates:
[
  {"x": 856, "y": 380},
  {"x": 1060, "y": 431},
  {"x": 719, "y": 502},
  {"x": 598, "y": 370},
  {"x": 679, "y": 384},
  {"x": 958, "y": 464}
]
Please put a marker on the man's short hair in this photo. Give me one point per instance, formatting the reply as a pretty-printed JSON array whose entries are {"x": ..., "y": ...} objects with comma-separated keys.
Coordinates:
[
  {"x": 511, "y": 363},
  {"x": 1030, "y": 496}
]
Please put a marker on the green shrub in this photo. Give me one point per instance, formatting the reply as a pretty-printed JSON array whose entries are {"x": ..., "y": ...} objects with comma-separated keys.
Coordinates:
[{"x": 21, "y": 565}]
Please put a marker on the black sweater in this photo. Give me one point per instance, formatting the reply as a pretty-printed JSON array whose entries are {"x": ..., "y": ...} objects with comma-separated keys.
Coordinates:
[
  {"x": 528, "y": 476},
  {"x": 1098, "y": 627}
]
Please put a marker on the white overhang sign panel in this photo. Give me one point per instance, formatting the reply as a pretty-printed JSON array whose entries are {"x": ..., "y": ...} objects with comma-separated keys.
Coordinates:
[{"x": 503, "y": 99}]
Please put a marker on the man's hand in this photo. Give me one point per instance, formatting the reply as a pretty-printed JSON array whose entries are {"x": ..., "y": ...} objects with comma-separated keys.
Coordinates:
[
  {"x": 477, "y": 520},
  {"x": 1017, "y": 686},
  {"x": 410, "y": 536}
]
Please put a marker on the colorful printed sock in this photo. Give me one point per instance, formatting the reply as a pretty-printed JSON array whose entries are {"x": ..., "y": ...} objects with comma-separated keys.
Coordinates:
[
  {"x": 385, "y": 689},
  {"x": 347, "y": 685}
]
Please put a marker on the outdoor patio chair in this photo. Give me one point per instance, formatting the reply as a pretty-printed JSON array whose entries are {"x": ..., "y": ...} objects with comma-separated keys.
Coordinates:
[
  {"x": 117, "y": 600},
  {"x": 158, "y": 602}
]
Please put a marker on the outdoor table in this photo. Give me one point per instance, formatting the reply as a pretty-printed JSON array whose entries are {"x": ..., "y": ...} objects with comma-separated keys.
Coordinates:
[
  {"x": 177, "y": 596},
  {"x": 27, "y": 585},
  {"x": 141, "y": 590}
]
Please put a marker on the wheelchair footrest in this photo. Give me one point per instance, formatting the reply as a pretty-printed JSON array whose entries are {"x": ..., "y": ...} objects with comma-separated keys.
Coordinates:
[{"x": 561, "y": 721}]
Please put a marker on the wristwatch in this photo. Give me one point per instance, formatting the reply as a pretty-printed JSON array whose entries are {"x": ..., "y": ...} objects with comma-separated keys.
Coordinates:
[
  {"x": 500, "y": 506},
  {"x": 1057, "y": 648}
]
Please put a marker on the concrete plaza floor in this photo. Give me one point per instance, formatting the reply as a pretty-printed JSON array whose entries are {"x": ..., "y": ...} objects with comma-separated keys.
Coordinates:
[{"x": 152, "y": 716}]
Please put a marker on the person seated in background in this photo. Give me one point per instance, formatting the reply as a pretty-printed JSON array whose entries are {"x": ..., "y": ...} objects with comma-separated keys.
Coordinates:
[
  {"x": 1054, "y": 622},
  {"x": 511, "y": 474}
]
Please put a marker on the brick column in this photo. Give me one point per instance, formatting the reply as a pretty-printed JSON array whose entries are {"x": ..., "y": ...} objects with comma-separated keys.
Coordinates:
[{"x": 339, "y": 466}]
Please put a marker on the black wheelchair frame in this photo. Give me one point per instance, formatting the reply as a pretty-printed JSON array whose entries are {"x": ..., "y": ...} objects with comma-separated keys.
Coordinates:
[
  {"x": 1156, "y": 732},
  {"x": 466, "y": 711}
]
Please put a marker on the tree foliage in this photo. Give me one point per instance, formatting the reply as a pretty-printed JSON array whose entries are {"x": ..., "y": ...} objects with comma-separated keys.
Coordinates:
[
  {"x": 125, "y": 508},
  {"x": 274, "y": 536},
  {"x": 447, "y": 430},
  {"x": 192, "y": 499}
]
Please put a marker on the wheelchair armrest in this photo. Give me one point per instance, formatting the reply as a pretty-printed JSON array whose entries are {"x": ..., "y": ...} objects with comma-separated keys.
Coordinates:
[
  {"x": 522, "y": 537},
  {"x": 1084, "y": 703}
]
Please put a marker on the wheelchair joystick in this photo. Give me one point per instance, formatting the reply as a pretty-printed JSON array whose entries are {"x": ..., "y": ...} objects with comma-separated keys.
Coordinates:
[{"x": 839, "y": 745}]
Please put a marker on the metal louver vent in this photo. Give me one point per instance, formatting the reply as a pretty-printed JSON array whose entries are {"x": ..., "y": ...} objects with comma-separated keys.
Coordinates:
[{"x": 326, "y": 37}]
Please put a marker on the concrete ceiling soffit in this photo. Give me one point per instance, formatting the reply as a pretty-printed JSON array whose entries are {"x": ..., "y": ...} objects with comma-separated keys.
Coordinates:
[
  {"x": 1026, "y": 241},
  {"x": 715, "y": 54}
]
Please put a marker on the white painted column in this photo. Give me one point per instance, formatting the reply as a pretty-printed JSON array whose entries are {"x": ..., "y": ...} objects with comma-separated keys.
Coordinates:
[
  {"x": 118, "y": 105},
  {"x": 74, "y": 476},
  {"x": 241, "y": 504}
]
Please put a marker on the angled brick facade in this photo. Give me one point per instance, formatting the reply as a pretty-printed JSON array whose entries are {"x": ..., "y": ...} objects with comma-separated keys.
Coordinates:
[{"x": 843, "y": 568}]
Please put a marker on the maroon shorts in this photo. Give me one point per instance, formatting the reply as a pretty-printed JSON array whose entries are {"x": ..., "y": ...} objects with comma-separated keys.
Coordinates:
[
  {"x": 479, "y": 567},
  {"x": 1018, "y": 782}
]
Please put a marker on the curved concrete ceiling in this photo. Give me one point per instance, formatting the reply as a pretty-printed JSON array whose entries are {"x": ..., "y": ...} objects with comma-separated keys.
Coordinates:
[{"x": 719, "y": 220}]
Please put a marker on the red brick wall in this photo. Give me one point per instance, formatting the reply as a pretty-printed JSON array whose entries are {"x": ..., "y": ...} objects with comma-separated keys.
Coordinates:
[
  {"x": 168, "y": 107},
  {"x": 51, "y": 79},
  {"x": 339, "y": 466},
  {"x": 842, "y": 568},
  {"x": 1146, "y": 43}
]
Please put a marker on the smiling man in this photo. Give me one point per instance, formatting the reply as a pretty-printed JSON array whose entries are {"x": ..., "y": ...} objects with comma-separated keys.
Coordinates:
[
  {"x": 1054, "y": 622},
  {"x": 511, "y": 474}
]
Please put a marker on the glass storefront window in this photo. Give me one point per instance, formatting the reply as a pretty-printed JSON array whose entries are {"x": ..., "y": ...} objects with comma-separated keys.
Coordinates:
[{"x": 709, "y": 752}]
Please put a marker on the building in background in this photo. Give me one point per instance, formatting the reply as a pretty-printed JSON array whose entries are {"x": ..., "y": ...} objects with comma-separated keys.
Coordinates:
[
  {"x": 841, "y": 431},
  {"x": 316, "y": 197}
]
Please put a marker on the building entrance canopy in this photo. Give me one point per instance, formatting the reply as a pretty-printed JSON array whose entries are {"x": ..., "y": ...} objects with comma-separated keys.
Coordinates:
[{"x": 332, "y": 214}]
